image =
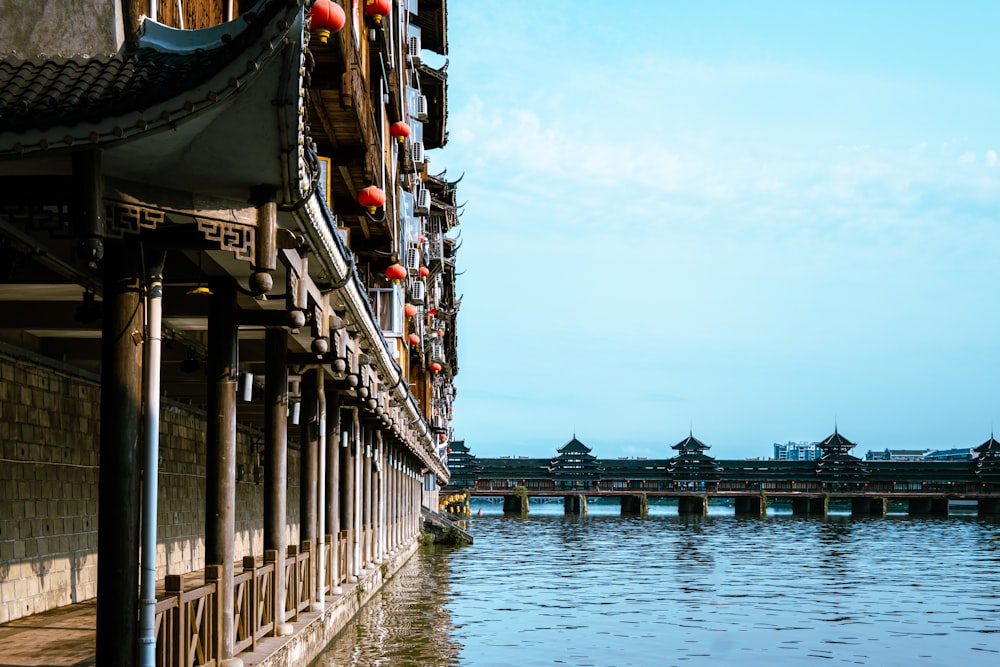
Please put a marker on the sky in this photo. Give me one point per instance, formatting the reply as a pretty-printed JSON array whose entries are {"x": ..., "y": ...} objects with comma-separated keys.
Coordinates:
[{"x": 753, "y": 221}]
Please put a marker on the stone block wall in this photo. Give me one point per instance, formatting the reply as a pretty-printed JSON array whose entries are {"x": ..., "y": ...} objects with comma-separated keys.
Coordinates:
[
  {"x": 49, "y": 458},
  {"x": 48, "y": 473}
]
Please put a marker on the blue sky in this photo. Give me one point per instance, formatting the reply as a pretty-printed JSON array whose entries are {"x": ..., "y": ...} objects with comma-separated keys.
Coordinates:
[{"x": 750, "y": 219}]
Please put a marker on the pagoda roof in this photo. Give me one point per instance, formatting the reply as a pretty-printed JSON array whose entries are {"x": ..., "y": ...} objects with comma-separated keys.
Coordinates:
[
  {"x": 836, "y": 444},
  {"x": 574, "y": 446},
  {"x": 990, "y": 447},
  {"x": 690, "y": 445}
]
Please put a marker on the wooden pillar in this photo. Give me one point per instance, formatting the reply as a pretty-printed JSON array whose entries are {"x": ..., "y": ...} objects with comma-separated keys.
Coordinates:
[
  {"x": 366, "y": 471},
  {"x": 309, "y": 462},
  {"x": 378, "y": 475},
  {"x": 118, "y": 492},
  {"x": 348, "y": 478},
  {"x": 319, "y": 597},
  {"x": 333, "y": 442},
  {"x": 359, "y": 498},
  {"x": 276, "y": 465},
  {"x": 220, "y": 476}
]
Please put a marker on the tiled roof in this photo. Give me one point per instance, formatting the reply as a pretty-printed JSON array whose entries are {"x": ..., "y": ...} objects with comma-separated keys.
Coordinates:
[{"x": 42, "y": 93}]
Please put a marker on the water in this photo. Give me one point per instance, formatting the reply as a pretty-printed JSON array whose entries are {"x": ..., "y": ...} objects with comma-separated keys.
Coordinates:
[{"x": 668, "y": 590}]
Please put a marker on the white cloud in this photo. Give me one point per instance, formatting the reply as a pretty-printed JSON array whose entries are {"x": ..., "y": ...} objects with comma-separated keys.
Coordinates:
[
  {"x": 991, "y": 157},
  {"x": 968, "y": 157}
]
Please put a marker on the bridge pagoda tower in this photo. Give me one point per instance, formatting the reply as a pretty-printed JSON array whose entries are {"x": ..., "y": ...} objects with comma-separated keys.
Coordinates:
[
  {"x": 574, "y": 467},
  {"x": 836, "y": 465},
  {"x": 692, "y": 468}
]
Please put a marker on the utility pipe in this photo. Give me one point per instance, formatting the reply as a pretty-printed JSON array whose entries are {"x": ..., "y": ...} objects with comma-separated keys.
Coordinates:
[{"x": 151, "y": 456}]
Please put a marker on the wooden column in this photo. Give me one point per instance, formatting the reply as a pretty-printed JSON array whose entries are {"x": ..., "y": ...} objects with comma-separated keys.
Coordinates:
[
  {"x": 309, "y": 462},
  {"x": 380, "y": 476},
  {"x": 220, "y": 477},
  {"x": 333, "y": 440},
  {"x": 348, "y": 478},
  {"x": 276, "y": 465},
  {"x": 366, "y": 471},
  {"x": 118, "y": 492}
]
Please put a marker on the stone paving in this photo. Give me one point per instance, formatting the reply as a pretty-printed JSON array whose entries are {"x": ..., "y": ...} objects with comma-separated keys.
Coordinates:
[{"x": 63, "y": 637}]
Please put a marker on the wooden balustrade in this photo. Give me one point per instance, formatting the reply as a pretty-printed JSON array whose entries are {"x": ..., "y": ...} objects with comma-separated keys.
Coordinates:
[
  {"x": 166, "y": 621},
  {"x": 342, "y": 545},
  {"x": 306, "y": 578},
  {"x": 187, "y": 623},
  {"x": 328, "y": 576}
]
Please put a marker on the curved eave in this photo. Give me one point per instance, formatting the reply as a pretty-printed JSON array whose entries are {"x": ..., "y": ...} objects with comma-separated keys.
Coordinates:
[
  {"x": 434, "y": 86},
  {"x": 432, "y": 19},
  {"x": 198, "y": 139}
]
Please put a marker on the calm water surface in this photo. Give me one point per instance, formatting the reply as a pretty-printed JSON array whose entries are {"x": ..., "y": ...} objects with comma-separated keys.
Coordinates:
[{"x": 668, "y": 590}]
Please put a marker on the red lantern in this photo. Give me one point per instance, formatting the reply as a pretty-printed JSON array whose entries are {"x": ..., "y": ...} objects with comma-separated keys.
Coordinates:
[
  {"x": 414, "y": 339},
  {"x": 395, "y": 272},
  {"x": 424, "y": 272},
  {"x": 377, "y": 9},
  {"x": 371, "y": 198},
  {"x": 400, "y": 130},
  {"x": 410, "y": 310},
  {"x": 432, "y": 312},
  {"x": 435, "y": 367},
  {"x": 441, "y": 333},
  {"x": 325, "y": 18}
]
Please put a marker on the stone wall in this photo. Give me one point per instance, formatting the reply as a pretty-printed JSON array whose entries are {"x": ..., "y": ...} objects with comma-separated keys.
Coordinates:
[
  {"x": 30, "y": 27},
  {"x": 49, "y": 444}
]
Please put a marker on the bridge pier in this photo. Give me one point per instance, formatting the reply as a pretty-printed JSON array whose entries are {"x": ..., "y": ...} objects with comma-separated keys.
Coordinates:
[
  {"x": 985, "y": 506},
  {"x": 868, "y": 506},
  {"x": 575, "y": 504},
  {"x": 636, "y": 505},
  {"x": 927, "y": 506},
  {"x": 692, "y": 505},
  {"x": 515, "y": 504},
  {"x": 814, "y": 506},
  {"x": 750, "y": 506}
]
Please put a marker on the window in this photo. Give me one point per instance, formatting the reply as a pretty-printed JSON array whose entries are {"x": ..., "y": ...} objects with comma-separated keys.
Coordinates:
[{"x": 387, "y": 302}]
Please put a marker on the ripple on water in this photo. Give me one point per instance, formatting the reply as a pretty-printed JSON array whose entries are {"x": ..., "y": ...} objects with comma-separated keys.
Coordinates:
[{"x": 666, "y": 590}]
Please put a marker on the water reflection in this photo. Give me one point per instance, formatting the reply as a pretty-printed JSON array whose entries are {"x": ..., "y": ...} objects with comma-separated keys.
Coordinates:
[
  {"x": 406, "y": 625},
  {"x": 668, "y": 590}
]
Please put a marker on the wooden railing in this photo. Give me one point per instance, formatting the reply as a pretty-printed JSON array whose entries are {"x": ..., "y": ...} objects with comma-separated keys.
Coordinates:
[
  {"x": 343, "y": 542},
  {"x": 187, "y": 623},
  {"x": 253, "y": 598}
]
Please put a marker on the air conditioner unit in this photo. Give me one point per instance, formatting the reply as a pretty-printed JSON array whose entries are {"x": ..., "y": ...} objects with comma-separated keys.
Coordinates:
[
  {"x": 417, "y": 291},
  {"x": 413, "y": 50},
  {"x": 423, "y": 203},
  {"x": 417, "y": 152},
  {"x": 413, "y": 258},
  {"x": 421, "y": 110}
]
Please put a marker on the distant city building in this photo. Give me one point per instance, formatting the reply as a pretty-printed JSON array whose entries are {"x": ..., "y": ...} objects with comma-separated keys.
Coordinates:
[
  {"x": 958, "y": 454},
  {"x": 897, "y": 455},
  {"x": 796, "y": 451}
]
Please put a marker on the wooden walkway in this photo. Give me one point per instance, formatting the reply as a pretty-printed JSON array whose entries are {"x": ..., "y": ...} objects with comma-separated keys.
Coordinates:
[
  {"x": 67, "y": 636},
  {"x": 63, "y": 637}
]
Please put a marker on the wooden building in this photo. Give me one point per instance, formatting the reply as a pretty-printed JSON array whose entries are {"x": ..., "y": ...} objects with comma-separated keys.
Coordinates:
[{"x": 227, "y": 288}]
